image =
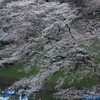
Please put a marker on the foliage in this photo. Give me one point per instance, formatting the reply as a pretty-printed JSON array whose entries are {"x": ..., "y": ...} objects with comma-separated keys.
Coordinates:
[
  {"x": 38, "y": 48},
  {"x": 1, "y": 46}
]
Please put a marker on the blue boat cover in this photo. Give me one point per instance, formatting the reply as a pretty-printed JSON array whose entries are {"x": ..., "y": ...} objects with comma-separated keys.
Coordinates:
[
  {"x": 5, "y": 98},
  {"x": 90, "y": 97}
]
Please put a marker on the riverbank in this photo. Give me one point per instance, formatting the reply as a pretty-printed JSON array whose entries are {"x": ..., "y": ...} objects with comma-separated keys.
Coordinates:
[
  {"x": 77, "y": 93},
  {"x": 67, "y": 92}
]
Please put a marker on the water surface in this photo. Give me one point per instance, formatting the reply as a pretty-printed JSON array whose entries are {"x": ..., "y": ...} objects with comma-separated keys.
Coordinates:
[{"x": 38, "y": 95}]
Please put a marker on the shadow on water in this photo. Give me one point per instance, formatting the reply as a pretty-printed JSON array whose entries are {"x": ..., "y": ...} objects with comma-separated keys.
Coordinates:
[
  {"x": 39, "y": 95},
  {"x": 47, "y": 96}
]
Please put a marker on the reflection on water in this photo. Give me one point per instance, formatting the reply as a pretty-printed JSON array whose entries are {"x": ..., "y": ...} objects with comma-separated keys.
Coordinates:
[
  {"x": 41, "y": 95},
  {"x": 45, "y": 96}
]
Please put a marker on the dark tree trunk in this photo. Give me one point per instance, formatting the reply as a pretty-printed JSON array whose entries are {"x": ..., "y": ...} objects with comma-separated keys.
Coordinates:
[{"x": 47, "y": 0}]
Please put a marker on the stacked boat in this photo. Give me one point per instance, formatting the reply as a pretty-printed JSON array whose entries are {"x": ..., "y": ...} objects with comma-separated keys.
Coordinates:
[
  {"x": 88, "y": 97},
  {"x": 3, "y": 98},
  {"x": 23, "y": 94},
  {"x": 9, "y": 92}
]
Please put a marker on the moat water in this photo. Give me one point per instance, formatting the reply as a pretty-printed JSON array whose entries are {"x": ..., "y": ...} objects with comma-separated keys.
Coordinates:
[{"x": 38, "y": 95}]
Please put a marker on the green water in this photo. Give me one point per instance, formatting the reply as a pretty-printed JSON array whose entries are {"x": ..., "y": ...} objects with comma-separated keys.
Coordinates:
[
  {"x": 38, "y": 95},
  {"x": 45, "y": 96}
]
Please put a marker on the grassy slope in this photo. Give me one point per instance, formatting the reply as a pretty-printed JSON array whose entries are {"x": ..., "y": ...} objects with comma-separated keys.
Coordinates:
[
  {"x": 83, "y": 76},
  {"x": 71, "y": 77},
  {"x": 16, "y": 71}
]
